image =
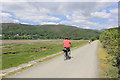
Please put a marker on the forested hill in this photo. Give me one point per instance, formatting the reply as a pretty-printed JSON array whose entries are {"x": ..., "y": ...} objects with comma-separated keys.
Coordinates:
[{"x": 23, "y": 31}]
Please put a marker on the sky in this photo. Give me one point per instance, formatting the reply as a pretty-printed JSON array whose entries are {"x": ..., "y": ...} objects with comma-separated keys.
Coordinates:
[{"x": 102, "y": 14}]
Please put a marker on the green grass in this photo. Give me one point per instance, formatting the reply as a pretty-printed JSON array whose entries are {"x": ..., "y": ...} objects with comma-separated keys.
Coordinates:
[
  {"x": 0, "y": 58},
  {"x": 108, "y": 71},
  {"x": 31, "y": 51}
]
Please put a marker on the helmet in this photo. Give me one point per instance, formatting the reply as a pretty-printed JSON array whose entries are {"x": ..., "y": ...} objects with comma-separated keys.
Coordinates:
[{"x": 66, "y": 38}]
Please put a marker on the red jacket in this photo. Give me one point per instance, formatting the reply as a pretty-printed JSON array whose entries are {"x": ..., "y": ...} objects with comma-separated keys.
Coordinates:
[{"x": 67, "y": 43}]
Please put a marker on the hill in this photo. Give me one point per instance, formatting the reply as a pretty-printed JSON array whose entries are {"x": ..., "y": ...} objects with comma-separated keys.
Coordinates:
[{"x": 23, "y": 31}]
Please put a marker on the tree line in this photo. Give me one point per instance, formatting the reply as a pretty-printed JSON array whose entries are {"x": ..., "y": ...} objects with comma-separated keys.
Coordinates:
[{"x": 22, "y": 31}]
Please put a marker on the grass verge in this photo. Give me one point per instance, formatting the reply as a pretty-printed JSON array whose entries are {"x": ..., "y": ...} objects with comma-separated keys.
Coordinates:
[
  {"x": 108, "y": 71},
  {"x": 16, "y": 54}
]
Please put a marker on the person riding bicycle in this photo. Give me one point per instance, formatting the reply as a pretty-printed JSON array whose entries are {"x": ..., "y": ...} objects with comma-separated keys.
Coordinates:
[
  {"x": 89, "y": 41},
  {"x": 67, "y": 44}
]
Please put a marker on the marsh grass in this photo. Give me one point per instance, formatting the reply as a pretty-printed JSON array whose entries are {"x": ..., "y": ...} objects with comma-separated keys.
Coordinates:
[{"x": 16, "y": 54}]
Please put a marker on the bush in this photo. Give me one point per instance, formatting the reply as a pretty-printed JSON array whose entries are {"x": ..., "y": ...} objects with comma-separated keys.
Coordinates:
[{"x": 110, "y": 40}]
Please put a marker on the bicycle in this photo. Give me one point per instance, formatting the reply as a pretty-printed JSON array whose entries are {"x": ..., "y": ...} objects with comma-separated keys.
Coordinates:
[{"x": 67, "y": 53}]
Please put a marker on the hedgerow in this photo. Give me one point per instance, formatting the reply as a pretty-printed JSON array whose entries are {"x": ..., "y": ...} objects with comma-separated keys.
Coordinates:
[{"x": 110, "y": 41}]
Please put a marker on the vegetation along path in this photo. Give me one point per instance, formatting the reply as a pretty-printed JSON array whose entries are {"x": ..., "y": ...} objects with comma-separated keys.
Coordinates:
[{"x": 84, "y": 64}]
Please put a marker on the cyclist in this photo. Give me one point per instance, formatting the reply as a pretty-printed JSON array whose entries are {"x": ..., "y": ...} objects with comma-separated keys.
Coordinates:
[
  {"x": 89, "y": 41},
  {"x": 67, "y": 43}
]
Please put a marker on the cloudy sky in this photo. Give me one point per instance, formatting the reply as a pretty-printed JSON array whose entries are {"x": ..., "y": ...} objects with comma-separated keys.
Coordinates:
[{"x": 89, "y": 15}]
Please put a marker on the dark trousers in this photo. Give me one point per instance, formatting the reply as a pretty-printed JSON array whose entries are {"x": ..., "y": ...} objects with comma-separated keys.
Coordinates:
[{"x": 68, "y": 50}]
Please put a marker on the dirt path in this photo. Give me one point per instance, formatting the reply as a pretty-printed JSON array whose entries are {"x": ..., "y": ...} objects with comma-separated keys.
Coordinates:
[{"x": 84, "y": 64}]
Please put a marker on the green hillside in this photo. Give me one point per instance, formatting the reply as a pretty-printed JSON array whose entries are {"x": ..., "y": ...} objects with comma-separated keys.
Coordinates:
[{"x": 23, "y": 31}]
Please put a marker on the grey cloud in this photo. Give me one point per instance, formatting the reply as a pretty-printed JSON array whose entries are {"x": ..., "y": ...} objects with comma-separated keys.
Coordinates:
[
  {"x": 55, "y": 7},
  {"x": 78, "y": 11}
]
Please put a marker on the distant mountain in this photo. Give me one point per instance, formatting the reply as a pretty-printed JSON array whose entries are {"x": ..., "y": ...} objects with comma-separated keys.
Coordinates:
[
  {"x": 102, "y": 30},
  {"x": 25, "y": 31}
]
